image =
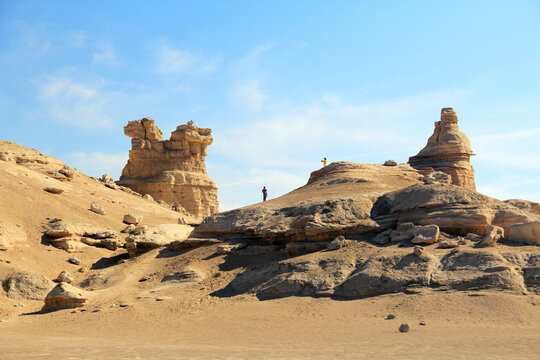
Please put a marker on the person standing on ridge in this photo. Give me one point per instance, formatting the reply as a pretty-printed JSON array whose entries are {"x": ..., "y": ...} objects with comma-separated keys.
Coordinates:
[
  {"x": 265, "y": 193},
  {"x": 324, "y": 162}
]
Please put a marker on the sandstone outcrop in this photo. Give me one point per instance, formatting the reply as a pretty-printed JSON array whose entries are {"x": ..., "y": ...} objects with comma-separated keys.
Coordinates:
[
  {"x": 10, "y": 235},
  {"x": 64, "y": 296},
  {"x": 527, "y": 232},
  {"x": 157, "y": 236},
  {"x": 361, "y": 274},
  {"x": 70, "y": 237},
  {"x": 24, "y": 285},
  {"x": 447, "y": 150},
  {"x": 171, "y": 170}
]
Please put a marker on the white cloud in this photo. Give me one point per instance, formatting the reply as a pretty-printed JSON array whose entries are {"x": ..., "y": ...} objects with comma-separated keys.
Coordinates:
[
  {"x": 105, "y": 55},
  {"x": 98, "y": 163},
  {"x": 75, "y": 103},
  {"x": 175, "y": 61},
  {"x": 249, "y": 95}
]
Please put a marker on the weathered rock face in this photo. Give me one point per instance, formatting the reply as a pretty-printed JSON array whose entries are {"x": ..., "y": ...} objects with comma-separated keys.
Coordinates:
[
  {"x": 171, "y": 170},
  {"x": 447, "y": 150},
  {"x": 64, "y": 296}
]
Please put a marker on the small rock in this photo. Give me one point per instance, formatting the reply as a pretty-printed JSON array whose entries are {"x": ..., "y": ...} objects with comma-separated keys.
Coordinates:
[
  {"x": 337, "y": 243},
  {"x": 404, "y": 327},
  {"x": 383, "y": 238},
  {"x": 448, "y": 244},
  {"x": 97, "y": 208},
  {"x": 148, "y": 197},
  {"x": 390, "y": 316},
  {"x": 64, "y": 276},
  {"x": 128, "y": 229},
  {"x": 53, "y": 190},
  {"x": 139, "y": 229},
  {"x": 67, "y": 171},
  {"x": 182, "y": 221},
  {"x": 418, "y": 250},
  {"x": 132, "y": 219},
  {"x": 462, "y": 242},
  {"x": 422, "y": 323},
  {"x": 74, "y": 260},
  {"x": 163, "y": 298},
  {"x": 124, "y": 305},
  {"x": 390, "y": 163},
  {"x": 19, "y": 305},
  {"x": 82, "y": 269},
  {"x": 96, "y": 310}
]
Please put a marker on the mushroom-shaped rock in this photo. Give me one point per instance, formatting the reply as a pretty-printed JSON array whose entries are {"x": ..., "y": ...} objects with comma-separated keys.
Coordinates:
[{"x": 64, "y": 296}]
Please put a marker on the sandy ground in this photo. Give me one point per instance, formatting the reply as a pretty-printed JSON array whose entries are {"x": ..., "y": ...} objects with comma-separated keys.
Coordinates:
[{"x": 458, "y": 326}]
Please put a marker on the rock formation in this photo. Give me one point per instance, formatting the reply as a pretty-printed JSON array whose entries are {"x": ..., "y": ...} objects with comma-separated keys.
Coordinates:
[
  {"x": 171, "y": 170},
  {"x": 447, "y": 150}
]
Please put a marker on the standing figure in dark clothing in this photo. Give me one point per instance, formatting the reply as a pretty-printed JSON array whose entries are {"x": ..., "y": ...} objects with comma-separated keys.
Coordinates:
[{"x": 265, "y": 193}]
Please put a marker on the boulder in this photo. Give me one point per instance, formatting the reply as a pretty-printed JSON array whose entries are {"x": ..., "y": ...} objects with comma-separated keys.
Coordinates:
[
  {"x": 426, "y": 234},
  {"x": 67, "y": 171},
  {"x": 64, "y": 276},
  {"x": 527, "y": 232},
  {"x": 448, "y": 150},
  {"x": 171, "y": 170},
  {"x": 132, "y": 219},
  {"x": 390, "y": 163},
  {"x": 148, "y": 197},
  {"x": 418, "y": 250},
  {"x": 383, "y": 238},
  {"x": 448, "y": 244},
  {"x": 493, "y": 234},
  {"x": 53, "y": 190},
  {"x": 64, "y": 296},
  {"x": 337, "y": 243},
  {"x": 156, "y": 237},
  {"x": 97, "y": 208}
]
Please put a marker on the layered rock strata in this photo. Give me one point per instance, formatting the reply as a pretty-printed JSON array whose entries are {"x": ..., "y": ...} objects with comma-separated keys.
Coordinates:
[
  {"x": 447, "y": 150},
  {"x": 171, "y": 170}
]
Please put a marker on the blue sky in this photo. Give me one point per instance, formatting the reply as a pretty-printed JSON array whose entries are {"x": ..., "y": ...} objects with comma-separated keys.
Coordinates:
[{"x": 281, "y": 83}]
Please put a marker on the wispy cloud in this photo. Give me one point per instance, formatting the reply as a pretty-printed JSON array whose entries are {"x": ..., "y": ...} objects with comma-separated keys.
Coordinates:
[
  {"x": 98, "y": 163},
  {"x": 249, "y": 95},
  {"x": 105, "y": 55},
  {"x": 75, "y": 103},
  {"x": 170, "y": 60}
]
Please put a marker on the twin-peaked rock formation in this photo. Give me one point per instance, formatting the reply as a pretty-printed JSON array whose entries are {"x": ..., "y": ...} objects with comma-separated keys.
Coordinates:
[
  {"x": 171, "y": 170},
  {"x": 447, "y": 150}
]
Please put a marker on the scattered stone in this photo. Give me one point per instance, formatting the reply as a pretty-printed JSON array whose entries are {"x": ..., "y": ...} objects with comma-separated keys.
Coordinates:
[
  {"x": 74, "y": 260},
  {"x": 132, "y": 219},
  {"x": 390, "y": 316},
  {"x": 493, "y": 234},
  {"x": 67, "y": 171},
  {"x": 383, "y": 238},
  {"x": 163, "y": 298},
  {"x": 53, "y": 190},
  {"x": 390, "y": 163},
  {"x": 148, "y": 197},
  {"x": 448, "y": 244},
  {"x": 108, "y": 181},
  {"x": 404, "y": 327},
  {"x": 124, "y": 305},
  {"x": 64, "y": 276},
  {"x": 129, "y": 229},
  {"x": 97, "y": 208},
  {"x": 426, "y": 234},
  {"x": 96, "y": 310},
  {"x": 82, "y": 269},
  {"x": 19, "y": 305},
  {"x": 337, "y": 243},
  {"x": 418, "y": 251},
  {"x": 422, "y": 323},
  {"x": 139, "y": 230},
  {"x": 64, "y": 296}
]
